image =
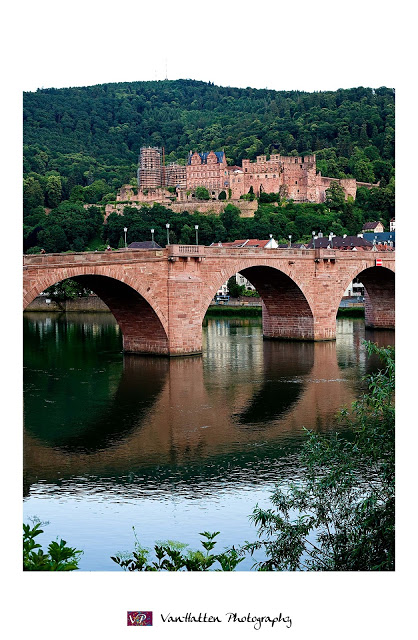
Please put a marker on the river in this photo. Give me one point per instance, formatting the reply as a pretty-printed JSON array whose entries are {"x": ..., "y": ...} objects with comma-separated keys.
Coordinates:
[{"x": 174, "y": 446}]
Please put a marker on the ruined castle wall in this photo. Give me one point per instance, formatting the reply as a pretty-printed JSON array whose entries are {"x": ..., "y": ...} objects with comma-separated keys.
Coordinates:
[
  {"x": 299, "y": 175},
  {"x": 348, "y": 184},
  {"x": 159, "y": 194},
  {"x": 262, "y": 175},
  {"x": 213, "y": 207}
]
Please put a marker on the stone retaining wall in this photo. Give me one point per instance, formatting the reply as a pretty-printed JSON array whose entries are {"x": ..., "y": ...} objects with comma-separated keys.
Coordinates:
[
  {"x": 90, "y": 303},
  {"x": 212, "y": 207}
]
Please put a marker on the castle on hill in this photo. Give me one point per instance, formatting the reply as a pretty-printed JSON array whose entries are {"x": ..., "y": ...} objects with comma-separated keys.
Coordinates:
[{"x": 294, "y": 177}]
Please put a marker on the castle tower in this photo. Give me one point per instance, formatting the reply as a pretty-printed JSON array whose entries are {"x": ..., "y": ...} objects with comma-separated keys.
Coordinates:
[{"x": 149, "y": 168}]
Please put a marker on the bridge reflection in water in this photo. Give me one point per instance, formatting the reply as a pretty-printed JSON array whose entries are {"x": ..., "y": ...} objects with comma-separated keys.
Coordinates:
[{"x": 92, "y": 412}]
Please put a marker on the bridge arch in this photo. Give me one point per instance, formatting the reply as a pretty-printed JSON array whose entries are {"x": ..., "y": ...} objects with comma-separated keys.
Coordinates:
[
  {"x": 379, "y": 295},
  {"x": 286, "y": 308},
  {"x": 143, "y": 325}
]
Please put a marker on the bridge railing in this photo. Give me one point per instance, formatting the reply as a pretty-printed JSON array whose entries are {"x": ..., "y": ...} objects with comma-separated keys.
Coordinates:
[{"x": 183, "y": 250}]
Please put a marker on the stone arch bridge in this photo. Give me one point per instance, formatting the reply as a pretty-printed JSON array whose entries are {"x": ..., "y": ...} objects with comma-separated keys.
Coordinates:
[{"x": 159, "y": 297}]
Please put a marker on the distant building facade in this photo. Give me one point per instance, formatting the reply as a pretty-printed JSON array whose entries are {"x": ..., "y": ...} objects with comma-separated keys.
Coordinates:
[
  {"x": 382, "y": 240},
  {"x": 373, "y": 227},
  {"x": 295, "y": 178},
  {"x": 208, "y": 170}
]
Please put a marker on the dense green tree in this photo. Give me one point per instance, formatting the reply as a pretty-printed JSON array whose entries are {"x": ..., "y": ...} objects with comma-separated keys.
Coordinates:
[
  {"x": 53, "y": 191},
  {"x": 32, "y": 194},
  {"x": 202, "y": 193},
  {"x": 77, "y": 193},
  {"x": 335, "y": 197},
  {"x": 363, "y": 171},
  {"x": 53, "y": 239},
  {"x": 95, "y": 191},
  {"x": 233, "y": 224},
  {"x": 234, "y": 288},
  {"x": 187, "y": 233}
]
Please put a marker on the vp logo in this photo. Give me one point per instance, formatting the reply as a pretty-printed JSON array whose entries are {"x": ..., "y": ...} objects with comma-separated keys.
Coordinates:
[{"x": 139, "y": 618}]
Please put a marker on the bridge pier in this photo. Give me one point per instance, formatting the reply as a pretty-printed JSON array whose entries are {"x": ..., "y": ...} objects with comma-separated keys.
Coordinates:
[
  {"x": 298, "y": 327},
  {"x": 286, "y": 325},
  {"x": 379, "y": 298},
  {"x": 379, "y": 312},
  {"x": 184, "y": 311}
]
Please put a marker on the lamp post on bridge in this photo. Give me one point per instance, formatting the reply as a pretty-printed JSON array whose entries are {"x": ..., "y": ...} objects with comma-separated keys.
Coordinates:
[
  {"x": 167, "y": 226},
  {"x": 290, "y": 241},
  {"x": 197, "y": 230},
  {"x": 152, "y": 236},
  {"x": 313, "y": 239},
  {"x": 125, "y": 229}
]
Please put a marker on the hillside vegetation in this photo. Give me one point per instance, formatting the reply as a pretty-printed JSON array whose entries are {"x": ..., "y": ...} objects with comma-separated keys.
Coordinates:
[{"x": 81, "y": 144}]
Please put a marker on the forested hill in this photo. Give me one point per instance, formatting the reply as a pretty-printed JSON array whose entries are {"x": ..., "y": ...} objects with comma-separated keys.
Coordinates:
[{"x": 89, "y": 134}]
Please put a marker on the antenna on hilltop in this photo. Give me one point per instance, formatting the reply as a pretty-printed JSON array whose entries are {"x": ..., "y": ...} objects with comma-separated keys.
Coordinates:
[{"x": 166, "y": 75}]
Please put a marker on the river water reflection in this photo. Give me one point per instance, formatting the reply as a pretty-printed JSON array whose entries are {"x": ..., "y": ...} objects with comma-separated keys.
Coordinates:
[{"x": 170, "y": 446}]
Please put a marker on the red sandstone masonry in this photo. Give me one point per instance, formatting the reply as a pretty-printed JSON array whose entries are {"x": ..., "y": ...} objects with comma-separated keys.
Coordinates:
[{"x": 159, "y": 298}]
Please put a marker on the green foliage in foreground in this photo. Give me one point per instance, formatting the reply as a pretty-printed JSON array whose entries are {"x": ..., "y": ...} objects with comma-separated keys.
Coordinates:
[
  {"x": 340, "y": 514},
  {"x": 58, "y": 558},
  {"x": 175, "y": 556}
]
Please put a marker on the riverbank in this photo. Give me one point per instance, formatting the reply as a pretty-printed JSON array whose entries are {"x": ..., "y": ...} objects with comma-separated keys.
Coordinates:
[
  {"x": 350, "y": 312},
  {"x": 233, "y": 310},
  {"x": 236, "y": 307},
  {"x": 226, "y": 310}
]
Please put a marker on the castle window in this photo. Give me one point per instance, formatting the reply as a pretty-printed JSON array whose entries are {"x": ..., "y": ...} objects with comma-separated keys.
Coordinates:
[{"x": 296, "y": 181}]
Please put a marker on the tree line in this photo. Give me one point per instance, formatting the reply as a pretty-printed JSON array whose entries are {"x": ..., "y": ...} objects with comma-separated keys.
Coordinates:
[{"x": 73, "y": 227}]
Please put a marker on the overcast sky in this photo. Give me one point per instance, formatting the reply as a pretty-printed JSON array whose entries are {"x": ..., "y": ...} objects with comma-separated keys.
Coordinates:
[{"x": 298, "y": 45}]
